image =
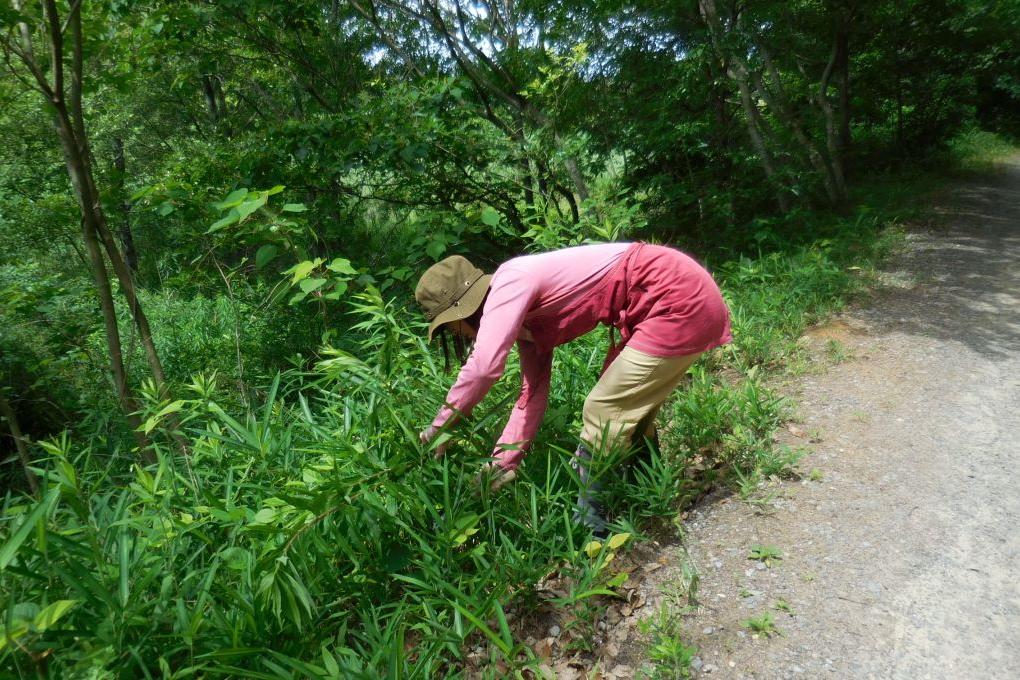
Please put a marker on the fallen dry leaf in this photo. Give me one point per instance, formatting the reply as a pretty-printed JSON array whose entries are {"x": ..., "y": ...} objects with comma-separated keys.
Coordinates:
[{"x": 564, "y": 671}]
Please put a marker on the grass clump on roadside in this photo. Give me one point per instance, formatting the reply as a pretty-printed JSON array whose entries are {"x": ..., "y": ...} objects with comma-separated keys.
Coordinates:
[
  {"x": 669, "y": 658},
  {"x": 766, "y": 554},
  {"x": 977, "y": 150},
  {"x": 762, "y": 625}
]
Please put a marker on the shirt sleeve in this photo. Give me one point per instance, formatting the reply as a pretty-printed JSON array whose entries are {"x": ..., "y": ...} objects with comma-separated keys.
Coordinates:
[
  {"x": 511, "y": 294},
  {"x": 536, "y": 368}
]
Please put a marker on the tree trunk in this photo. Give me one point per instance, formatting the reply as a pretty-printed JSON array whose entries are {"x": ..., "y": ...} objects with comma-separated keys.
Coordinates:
[
  {"x": 87, "y": 203},
  {"x": 524, "y": 163},
  {"x": 77, "y": 153},
  {"x": 127, "y": 240},
  {"x": 778, "y": 103},
  {"x": 574, "y": 172},
  {"x": 738, "y": 74},
  {"x": 125, "y": 395},
  {"x": 899, "y": 111},
  {"x": 69, "y": 122},
  {"x": 7, "y": 412},
  {"x": 752, "y": 115},
  {"x": 843, "y": 69},
  {"x": 835, "y": 160},
  {"x": 569, "y": 195},
  {"x": 211, "y": 100}
]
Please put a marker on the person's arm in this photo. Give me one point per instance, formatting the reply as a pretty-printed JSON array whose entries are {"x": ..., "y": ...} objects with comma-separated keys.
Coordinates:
[
  {"x": 511, "y": 294},
  {"x": 536, "y": 369}
]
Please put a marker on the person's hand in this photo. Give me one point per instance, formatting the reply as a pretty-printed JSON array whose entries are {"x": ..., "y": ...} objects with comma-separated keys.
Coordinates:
[
  {"x": 427, "y": 435},
  {"x": 492, "y": 477}
]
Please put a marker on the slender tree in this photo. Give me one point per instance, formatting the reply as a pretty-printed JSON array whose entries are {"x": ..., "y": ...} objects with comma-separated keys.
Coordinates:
[{"x": 59, "y": 79}]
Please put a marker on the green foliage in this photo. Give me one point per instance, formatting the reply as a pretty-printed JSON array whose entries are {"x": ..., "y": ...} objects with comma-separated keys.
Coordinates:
[
  {"x": 766, "y": 554},
  {"x": 784, "y": 606},
  {"x": 763, "y": 625},
  {"x": 670, "y": 658},
  {"x": 316, "y": 522},
  {"x": 977, "y": 149},
  {"x": 308, "y": 533}
]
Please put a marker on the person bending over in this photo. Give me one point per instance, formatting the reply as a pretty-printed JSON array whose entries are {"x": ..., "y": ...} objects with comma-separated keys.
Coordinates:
[{"x": 665, "y": 306}]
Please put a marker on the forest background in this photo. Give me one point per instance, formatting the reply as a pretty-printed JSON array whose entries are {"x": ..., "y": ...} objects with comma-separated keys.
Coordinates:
[{"x": 212, "y": 217}]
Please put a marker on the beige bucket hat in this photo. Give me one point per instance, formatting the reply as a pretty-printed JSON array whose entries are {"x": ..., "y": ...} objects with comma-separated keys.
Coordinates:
[{"x": 451, "y": 289}]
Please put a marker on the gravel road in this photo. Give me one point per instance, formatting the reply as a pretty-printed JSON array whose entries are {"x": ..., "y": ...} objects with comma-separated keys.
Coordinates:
[{"x": 903, "y": 559}]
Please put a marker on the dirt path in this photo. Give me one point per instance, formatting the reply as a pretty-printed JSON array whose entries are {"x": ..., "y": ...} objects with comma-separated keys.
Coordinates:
[{"x": 903, "y": 560}]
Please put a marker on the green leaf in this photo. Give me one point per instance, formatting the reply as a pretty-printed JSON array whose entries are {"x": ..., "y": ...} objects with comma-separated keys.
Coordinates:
[
  {"x": 275, "y": 190},
  {"x": 298, "y": 297},
  {"x": 16, "y": 630},
  {"x": 124, "y": 550},
  {"x": 142, "y": 192},
  {"x": 264, "y": 516},
  {"x": 310, "y": 285},
  {"x": 248, "y": 207},
  {"x": 342, "y": 266},
  {"x": 231, "y": 217},
  {"x": 293, "y": 207},
  {"x": 435, "y": 248},
  {"x": 265, "y": 255},
  {"x": 303, "y": 269},
  {"x": 233, "y": 199},
  {"x": 490, "y": 216},
  {"x": 329, "y": 662},
  {"x": 10, "y": 548},
  {"x": 617, "y": 580},
  {"x": 165, "y": 209},
  {"x": 339, "y": 288},
  {"x": 618, "y": 540},
  {"x": 485, "y": 630},
  {"x": 172, "y": 407}
]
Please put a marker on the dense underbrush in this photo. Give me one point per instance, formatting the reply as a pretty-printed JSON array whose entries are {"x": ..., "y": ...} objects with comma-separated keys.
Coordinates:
[{"x": 312, "y": 535}]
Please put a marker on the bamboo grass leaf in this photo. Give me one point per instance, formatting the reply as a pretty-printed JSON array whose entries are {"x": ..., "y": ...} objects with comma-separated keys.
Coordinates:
[{"x": 10, "y": 548}]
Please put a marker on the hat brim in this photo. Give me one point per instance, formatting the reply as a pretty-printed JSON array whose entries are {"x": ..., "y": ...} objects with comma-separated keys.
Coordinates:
[{"x": 467, "y": 305}]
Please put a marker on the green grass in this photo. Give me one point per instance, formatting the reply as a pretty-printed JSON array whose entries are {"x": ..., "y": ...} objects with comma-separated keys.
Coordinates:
[
  {"x": 784, "y": 606},
  {"x": 762, "y": 625},
  {"x": 669, "y": 658},
  {"x": 313, "y": 535},
  {"x": 309, "y": 534},
  {"x": 766, "y": 554},
  {"x": 978, "y": 150}
]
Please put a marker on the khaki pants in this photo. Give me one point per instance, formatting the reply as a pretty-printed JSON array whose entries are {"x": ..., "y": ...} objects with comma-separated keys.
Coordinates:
[{"x": 628, "y": 396}]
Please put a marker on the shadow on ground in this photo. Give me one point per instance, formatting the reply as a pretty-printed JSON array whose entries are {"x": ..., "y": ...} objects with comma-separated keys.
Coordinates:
[{"x": 968, "y": 271}]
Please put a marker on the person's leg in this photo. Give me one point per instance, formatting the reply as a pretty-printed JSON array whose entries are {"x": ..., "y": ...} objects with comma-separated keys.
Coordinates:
[
  {"x": 645, "y": 438},
  {"x": 630, "y": 392}
]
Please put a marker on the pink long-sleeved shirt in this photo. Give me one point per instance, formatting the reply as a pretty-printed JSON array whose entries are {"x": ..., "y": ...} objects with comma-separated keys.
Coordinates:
[{"x": 664, "y": 303}]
